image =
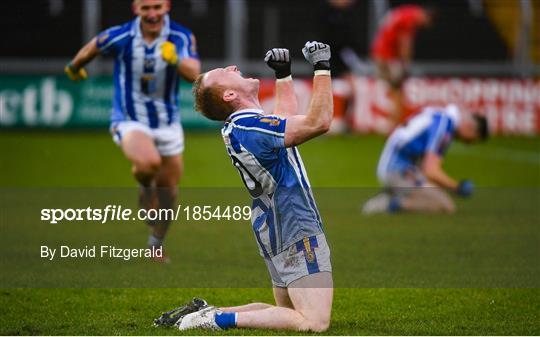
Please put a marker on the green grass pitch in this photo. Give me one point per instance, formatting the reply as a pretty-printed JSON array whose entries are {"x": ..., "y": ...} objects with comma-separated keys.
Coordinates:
[{"x": 464, "y": 274}]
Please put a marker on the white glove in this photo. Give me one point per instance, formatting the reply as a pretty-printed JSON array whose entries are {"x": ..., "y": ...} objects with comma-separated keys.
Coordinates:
[{"x": 318, "y": 54}]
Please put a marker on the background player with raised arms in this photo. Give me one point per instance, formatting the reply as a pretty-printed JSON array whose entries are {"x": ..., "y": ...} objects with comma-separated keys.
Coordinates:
[{"x": 151, "y": 54}]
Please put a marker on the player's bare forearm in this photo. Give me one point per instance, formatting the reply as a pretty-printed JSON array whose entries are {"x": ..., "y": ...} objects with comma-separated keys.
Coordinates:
[
  {"x": 301, "y": 128},
  {"x": 434, "y": 173},
  {"x": 286, "y": 102},
  {"x": 321, "y": 106},
  {"x": 189, "y": 69},
  {"x": 279, "y": 60},
  {"x": 317, "y": 120},
  {"x": 440, "y": 178},
  {"x": 86, "y": 54}
]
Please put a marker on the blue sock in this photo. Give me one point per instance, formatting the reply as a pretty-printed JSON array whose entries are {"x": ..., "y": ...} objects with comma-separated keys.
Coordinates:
[
  {"x": 154, "y": 241},
  {"x": 226, "y": 320},
  {"x": 395, "y": 205}
]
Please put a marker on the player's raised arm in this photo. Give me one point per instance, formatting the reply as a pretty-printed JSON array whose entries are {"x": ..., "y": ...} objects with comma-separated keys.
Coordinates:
[
  {"x": 186, "y": 60},
  {"x": 189, "y": 69},
  {"x": 301, "y": 128},
  {"x": 75, "y": 69},
  {"x": 286, "y": 103}
]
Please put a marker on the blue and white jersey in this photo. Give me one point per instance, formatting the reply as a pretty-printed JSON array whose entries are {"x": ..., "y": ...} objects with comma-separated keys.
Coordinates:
[
  {"x": 283, "y": 210},
  {"x": 145, "y": 86},
  {"x": 431, "y": 130}
]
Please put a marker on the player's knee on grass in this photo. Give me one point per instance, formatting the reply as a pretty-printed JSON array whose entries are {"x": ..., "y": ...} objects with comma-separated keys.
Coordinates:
[
  {"x": 428, "y": 199},
  {"x": 312, "y": 297},
  {"x": 447, "y": 204},
  {"x": 315, "y": 324},
  {"x": 321, "y": 325},
  {"x": 441, "y": 200}
]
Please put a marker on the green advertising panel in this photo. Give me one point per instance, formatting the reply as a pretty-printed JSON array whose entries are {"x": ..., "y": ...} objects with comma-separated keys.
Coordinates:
[{"x": 56, "y": 102}]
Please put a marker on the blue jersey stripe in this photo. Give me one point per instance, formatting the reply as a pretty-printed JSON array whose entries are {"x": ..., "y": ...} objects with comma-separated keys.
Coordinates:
[
  {"x": 152, "y": 114},
  {"x": 310, "y": 257},
  {"x": 128, "y": 89},
  {"x": 117, "y": 101},
  {"x": 256, "y": 227},
  {"x": 158, "y": 82},
  {"x": 235, "y": 143},
  {"x": 282, "y": 191},
  {"x": 110, "y": 39},
  {"x": 259, "y": 130},
  {"x": 272, "y": 229},
  {"x": 269, "y": 222},
  {"x": 306, "y": 187},
  {"x": 430, "y": 131},
  {"x": 149, "y": 68},
  {"x": 239, "y": 115},
  {"x": 167, "y": 95},
  {"x": 436, "y": 132},
  {"x": 174, "y": 94},
  {"x": 268, "y": 124}
]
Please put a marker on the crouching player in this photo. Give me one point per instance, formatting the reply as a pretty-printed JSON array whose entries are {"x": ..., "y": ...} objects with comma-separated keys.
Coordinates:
[
  {"x": 410, "y": 167},
  {"x": 285, "y": 218}
]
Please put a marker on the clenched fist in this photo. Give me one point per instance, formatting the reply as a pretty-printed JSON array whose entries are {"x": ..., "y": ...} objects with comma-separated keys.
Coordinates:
[
  {"x": 168, "y": 53},
  {"x": 279, "y": 60},
  {"x": 318, "y": 54}
]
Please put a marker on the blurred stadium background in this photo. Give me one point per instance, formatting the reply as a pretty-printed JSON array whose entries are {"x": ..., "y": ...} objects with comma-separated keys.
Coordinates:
[{"x": 480, "y": 54}]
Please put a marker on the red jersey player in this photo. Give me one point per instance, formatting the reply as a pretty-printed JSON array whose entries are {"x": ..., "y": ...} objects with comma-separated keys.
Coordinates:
[{"x": 393, "y": 46}]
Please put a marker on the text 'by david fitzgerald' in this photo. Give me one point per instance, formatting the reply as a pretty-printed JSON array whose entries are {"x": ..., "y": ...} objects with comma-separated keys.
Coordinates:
[{"x": 104, "y": 251}]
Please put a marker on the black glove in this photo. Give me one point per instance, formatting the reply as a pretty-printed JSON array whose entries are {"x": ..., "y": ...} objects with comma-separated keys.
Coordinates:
[{"x": 279, "y": 60}]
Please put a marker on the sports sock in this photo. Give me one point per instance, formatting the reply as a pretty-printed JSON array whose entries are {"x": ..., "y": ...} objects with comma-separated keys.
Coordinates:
[
  {"x": 226, "y": 320},
  {"x": 394, "y": 205},
  {"x": 154, "y": 242}
]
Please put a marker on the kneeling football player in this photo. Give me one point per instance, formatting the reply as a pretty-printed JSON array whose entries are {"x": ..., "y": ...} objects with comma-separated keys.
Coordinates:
[
  {"x": 285, "y": 218},
  {"x": 410, "y": 167}
]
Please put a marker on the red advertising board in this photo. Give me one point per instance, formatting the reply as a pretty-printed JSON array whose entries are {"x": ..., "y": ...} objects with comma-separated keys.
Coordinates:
[{"x": 512, "y": 106}]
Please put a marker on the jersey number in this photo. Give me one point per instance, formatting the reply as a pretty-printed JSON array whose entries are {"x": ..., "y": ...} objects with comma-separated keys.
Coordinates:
[{"x": 254, "y": 187}]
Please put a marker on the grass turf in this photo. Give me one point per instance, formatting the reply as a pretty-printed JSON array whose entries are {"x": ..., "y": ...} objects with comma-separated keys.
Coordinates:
[{"x": 375, "y": 246}]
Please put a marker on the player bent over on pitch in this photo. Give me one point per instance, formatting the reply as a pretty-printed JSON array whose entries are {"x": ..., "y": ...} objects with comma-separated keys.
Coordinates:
[
  {"x": 410, "y": 167},
  {"x": 285, "y": 218},
  {"x": 151, "y": 53}
]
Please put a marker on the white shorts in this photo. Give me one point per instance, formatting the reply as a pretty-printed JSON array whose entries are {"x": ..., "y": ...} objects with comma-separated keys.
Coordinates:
[
  {"x": 410, "y": 178},
  {"x": 169, "y": 139},
  {"x": 305, "y": 257}
]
